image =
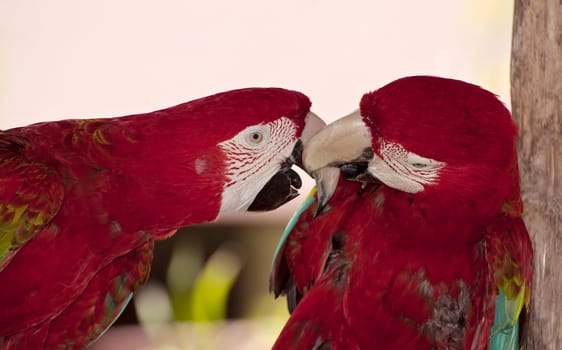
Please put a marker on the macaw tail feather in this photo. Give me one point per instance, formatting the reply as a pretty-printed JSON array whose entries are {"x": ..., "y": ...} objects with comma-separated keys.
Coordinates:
[{"x": 505, "y": 332}]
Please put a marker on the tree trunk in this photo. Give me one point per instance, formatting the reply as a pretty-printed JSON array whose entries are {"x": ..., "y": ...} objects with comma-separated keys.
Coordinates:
[{"x": 536, "y": 95}]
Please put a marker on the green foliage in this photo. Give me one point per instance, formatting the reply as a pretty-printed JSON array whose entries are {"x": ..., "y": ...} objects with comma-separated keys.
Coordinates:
[{"x": 199, "y": 292}]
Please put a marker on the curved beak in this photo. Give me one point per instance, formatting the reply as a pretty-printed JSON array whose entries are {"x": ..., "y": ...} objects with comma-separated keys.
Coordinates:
[
  {"x": 280, "y": 189},
  {"x": 313, "y": 125},
  {"x": 347, "y": 140},
  {"x": 284, "y": 185}
]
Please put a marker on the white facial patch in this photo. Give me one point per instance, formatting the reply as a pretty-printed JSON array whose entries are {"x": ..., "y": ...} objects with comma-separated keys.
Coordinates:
[
  {"x": 403, "y": 170},
  {"x": 253, "y": 156}
]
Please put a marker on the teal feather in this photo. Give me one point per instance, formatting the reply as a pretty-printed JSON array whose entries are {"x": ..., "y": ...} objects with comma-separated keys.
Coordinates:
[
  {"x": 304, "y": 206},
  {"x": 505, "y": 331},
  {"x": 111, "y": 316}
]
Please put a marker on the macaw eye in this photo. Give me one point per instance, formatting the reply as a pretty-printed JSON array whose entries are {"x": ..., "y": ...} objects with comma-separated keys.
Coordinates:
[
  {"x": 418, "y": 162},
  {"x": 255, "y": 137}
]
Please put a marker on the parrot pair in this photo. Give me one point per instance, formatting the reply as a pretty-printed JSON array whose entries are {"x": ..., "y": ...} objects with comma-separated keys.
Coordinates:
[
  {"x": 413, "y": 237},
  {"x": 413, "y": 241},
  {"x": 82, "y": 201}
]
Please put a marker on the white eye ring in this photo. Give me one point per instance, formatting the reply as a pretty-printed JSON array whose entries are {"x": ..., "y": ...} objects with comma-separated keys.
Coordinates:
[{"x": 255, "y": 137}]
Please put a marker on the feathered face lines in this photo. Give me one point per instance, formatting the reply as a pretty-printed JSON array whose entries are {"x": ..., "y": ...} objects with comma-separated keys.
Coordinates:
[
  {"x": 255, "y": 155},
  {"x": 444, "y": 119},
  {"x": 425, "y": 132},
  {"x": 403, "y": 170},
  {"x": 253, "y": 149}
]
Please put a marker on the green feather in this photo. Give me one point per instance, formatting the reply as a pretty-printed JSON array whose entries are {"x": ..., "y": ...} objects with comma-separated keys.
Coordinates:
[
  {"x": 505, "y": 331},
  {"x": 304, "y": 206},
  {"x": 111, "y": 315}
]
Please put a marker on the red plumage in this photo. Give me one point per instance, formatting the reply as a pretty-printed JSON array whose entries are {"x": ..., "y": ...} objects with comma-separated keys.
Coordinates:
[
  {"x": 381, "y": 268},
  {"x": 82, "y": 201}
]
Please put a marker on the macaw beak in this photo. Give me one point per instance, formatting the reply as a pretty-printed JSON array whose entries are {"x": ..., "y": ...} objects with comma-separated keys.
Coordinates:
[
  {"x": 345, "y": 141},
  {"x": 280, "y": 189},
  {"x": 284, "y": 185}
]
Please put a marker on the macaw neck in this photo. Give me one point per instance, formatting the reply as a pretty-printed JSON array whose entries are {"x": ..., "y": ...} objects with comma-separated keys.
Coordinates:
[
  {"x": 435, "y": 220},
  {"x": 153, "y": 174}
]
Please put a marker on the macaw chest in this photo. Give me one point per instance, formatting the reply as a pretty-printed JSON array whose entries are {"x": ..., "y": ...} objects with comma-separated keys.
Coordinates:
[{"x": 421, "y": 295}]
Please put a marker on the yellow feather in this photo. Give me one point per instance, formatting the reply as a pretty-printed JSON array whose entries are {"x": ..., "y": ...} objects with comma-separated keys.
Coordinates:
[{"x": 18, "y": 212}]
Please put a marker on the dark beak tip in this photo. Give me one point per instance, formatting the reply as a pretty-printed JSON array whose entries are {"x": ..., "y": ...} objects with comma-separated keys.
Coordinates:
[
  {"x": 280, "y": 189},
  {"x": 283, "y": 186}
]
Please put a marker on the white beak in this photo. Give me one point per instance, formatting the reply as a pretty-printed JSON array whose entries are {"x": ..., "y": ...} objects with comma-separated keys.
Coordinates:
[{"x": 344, "y": 141}]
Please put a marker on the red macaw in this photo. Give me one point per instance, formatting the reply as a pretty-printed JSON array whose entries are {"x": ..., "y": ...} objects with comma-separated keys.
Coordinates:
[
  {"x": 82, "y": 201},
  {"x": 426, "y": 249}
]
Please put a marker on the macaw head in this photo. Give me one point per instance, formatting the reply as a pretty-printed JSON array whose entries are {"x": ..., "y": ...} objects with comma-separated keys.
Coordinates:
[
  {"x": 425, "y": 136},
  {"x": 272, "y": 125},
  {"x": 238, "y": 147}
]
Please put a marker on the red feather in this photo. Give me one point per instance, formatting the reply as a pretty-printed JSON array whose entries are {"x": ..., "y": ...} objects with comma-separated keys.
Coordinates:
[
  {"x": 104, "y": 190},
  {"x": 380, "y": 268}
]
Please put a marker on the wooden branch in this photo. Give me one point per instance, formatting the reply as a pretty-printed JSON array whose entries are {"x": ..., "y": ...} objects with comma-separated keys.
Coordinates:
[{"x": 536, "y": 93}]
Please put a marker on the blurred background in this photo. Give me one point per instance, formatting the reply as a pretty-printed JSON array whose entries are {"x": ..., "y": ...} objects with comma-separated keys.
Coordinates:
[{"x": 76, "y": 59}]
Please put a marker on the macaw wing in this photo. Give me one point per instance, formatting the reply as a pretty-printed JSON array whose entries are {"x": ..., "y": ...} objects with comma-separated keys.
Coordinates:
[
  {"x": 310, "y": 240},
  {"x": 301, "y": 253},
  {"x": 281, "y": 280},
  {"x": 511, "y": 256},
  {"x": 94, "y": 310},
  {"x": 311, "y": 270},
  {"x": 103, "y": 301},
  {"x": 318, "y": 319},
  {"x": 30, "y": 196}
]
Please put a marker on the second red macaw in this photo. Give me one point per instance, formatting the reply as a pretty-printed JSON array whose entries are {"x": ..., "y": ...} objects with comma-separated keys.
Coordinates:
[{"x": 425, "y": 248}]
